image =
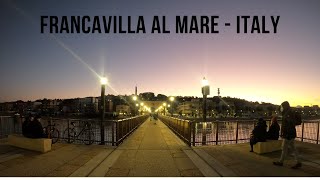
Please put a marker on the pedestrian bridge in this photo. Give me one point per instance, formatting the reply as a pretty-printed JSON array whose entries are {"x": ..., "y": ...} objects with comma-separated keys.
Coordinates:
[{"x": 153, "y": 150}]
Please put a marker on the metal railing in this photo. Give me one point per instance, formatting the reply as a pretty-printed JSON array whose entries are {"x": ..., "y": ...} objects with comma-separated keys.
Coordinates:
[
  {"x": 231, "y": 132},
  {"x": 125, "y": 127},
  {"x": 9, "y": 125},
  {"x": 181, "y": 127},
  {"x": 115, "y": 130}
]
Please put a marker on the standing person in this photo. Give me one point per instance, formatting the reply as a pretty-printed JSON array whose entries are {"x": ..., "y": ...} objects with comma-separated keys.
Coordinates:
[
  {"x": 259, "y": 133},
  {"x": 273, "y": 133},
  {"x": 288, "y": 133}
]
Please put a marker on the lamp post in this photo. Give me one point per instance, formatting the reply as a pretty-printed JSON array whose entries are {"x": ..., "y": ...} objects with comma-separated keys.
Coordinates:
[
  {"x": 205, "y": 92},
  {"x": 171, "y": 99},
  {"x": 135, "y": 107},
  {"x": 103, "y": 82},
  {"x": 141, "y": 108},
  {"x": 164, "y": 108}
]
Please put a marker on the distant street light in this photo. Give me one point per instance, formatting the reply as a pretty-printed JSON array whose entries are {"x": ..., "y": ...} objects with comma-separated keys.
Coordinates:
[
  {"x": 103, "y": 82},
  {"x": 134, "y": 98},
  {"x": 171, "y": 99},
  {"x": 135, "y": 108},
  {"x": 164, "y": 108},
  {"x": 205, "y": 91}
]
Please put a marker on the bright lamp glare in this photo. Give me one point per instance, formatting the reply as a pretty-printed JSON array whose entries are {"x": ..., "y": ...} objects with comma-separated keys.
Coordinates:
[
  {"x": 171, "y": 98},
  {"x": 103, "y": 80},
  {"x": 134, "y": 98},
  {"x": 205, "y": 82}
]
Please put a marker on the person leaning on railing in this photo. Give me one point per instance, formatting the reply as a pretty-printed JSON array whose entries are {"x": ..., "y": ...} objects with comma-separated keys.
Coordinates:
[
  {"x": 273, "y": 133},
  {"x": 259, "y": 133}
]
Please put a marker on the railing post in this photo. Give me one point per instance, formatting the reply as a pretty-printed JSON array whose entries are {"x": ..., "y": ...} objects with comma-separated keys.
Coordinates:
[
  {"x": 117, "y": 133},
  {"x": 237, "y": 130},
  {"x": 121, "y": 135},
  {"x": 179, "y": 127},
  {"x": 189, "y": 132},
  {"x": 130, "y": 127},
  {"x": 112, "y": 131},
  {"x": 318, "y": 133},
  {"x": 1, "y": 127},
  {"x": 217, "y": 133},
  {"x": 204, "y": 133},
  {"x": 193, "y": 133},
  {"x": 127, "y": 126},
  {"x": 302, "y": 130},
  {"x": 68, "y": 131},
  {"x": 183, "y": 129},
  {"x": 176, "y": 125}
]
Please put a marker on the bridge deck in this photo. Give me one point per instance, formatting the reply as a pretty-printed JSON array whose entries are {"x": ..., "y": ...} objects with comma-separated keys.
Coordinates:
[{"x": 153, "y": 150}]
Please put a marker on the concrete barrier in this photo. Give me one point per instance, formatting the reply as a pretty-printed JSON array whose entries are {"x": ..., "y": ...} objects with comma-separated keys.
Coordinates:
[
  {"x": 268, "y": 146},
  {"x": 42, "y": 144}
]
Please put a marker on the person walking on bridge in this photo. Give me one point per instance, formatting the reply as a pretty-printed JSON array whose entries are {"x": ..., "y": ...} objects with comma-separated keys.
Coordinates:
[{"x": 288, "y": 133}]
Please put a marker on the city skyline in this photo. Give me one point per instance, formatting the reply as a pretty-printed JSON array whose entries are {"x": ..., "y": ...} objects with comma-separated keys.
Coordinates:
[{"x": 255, "y": 67}]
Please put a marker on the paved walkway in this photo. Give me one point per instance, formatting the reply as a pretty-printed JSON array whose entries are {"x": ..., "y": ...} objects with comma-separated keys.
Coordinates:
[
  {"x": 62, "y": 160},
  {"x": 152, "y": 150},
  {"x": 238, "y": 159}
]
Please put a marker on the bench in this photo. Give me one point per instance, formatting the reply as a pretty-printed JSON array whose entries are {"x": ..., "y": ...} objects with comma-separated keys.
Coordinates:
[
  {"x": 41, "y": 144},
  {"x": 268, "y": 146}
]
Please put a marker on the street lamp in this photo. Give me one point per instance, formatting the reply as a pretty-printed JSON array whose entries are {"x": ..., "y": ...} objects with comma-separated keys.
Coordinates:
[
  {"x": 164, "y": 108},
  {"x": 103, "y": 82},
  {"x": 171, "y": 99},
  {"x": 135, "y": 108},
  {"x": 205, "y": 92},
  {"x": 141, "y": 106}
]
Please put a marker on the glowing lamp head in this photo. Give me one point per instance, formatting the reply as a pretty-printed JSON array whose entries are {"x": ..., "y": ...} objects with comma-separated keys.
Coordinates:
[
  {"x": 205, "y": 82},
  {"x": 103, "y": 81},
  {"x": 164, "y": 104},
  {"x": 171, "y": 98},
  {"x": 205, "y": 87},
  {"x": 141, "y": 104}
]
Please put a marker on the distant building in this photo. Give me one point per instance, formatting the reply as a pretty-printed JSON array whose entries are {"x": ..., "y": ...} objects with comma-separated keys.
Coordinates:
[
  {"x": 123, "y": 110},
  {"x": 190, "y": 108},
  {"x": 147, "y": 96},
  {"x": 88, "y": 105}
]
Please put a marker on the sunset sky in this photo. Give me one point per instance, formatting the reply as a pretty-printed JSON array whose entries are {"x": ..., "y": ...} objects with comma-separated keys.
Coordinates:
[{"x": 256, "y": 67}]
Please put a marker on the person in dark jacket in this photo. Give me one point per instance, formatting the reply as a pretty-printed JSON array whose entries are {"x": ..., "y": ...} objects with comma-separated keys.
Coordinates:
[
  {"x": 288, "y": 133},
  {"x": 259, "y": 133},
  {"x": 273, "y": 133},
  {"x": 36, "y": 129},
  {"x": 26, "y": 126}
]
